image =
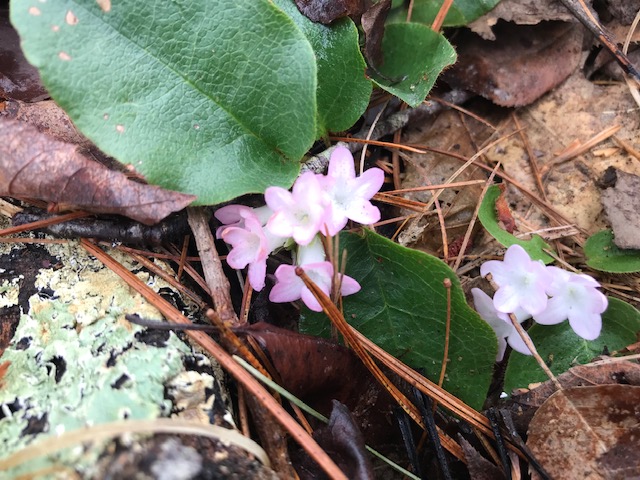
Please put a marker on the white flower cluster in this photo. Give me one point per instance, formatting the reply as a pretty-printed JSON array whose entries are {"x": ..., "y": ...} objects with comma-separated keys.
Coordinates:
[{"x": 549, "y": 295}]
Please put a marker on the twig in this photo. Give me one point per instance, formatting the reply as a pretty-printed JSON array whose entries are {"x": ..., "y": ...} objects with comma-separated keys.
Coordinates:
[
  {"x": 583, "y": 13},
  {"x": 211, "y": 265}
]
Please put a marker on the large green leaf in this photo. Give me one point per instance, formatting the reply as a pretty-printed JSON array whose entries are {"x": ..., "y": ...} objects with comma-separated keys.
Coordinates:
[
  {"x": 461, "y": 12},
  {"x": 414, "y": 56},
  {"x": 561, "y": 348},
  {"x": 402, "y": 307},
  {"x": 602, "y": 254},
  {"x": 214, "y": 98},
  {"x": 343, "y": 89},
  {"x": 489, "y": 220}
]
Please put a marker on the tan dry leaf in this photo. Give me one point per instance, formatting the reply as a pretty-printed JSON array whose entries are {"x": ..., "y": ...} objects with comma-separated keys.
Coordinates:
[
  {"x": 34, "y": 165},
  {"x": 588, "y": 433}
]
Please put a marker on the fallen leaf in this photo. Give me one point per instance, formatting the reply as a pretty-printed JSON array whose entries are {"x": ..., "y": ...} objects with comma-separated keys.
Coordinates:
[
  {"x": 624, "y": 10},
  {"x": 326, "y": 11},
  {"x": 19, "y": 80},
  {"x": 503, "y": 212},
  {"x": 522, "y": 64},
  {"x": 373, "y": 26},
  {"x": 524, "y": 405},
  {"x": 34, "y": 165},
  {"x": 521, "y": 12},
  {"x": 588, "y": 433},
  {"x": 319, "y": 371},
  {"x": 342, "y": 439},
  {"x": 479, "y": 467},
  {"x": 48, "y": 118},
  {"x": 622, "y": 204}
]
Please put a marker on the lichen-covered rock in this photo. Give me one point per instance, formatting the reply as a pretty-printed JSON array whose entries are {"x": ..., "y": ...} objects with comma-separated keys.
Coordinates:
[{"x": 77, "y": 362}]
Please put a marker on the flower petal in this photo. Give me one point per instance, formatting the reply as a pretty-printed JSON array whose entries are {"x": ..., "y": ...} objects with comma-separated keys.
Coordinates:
[{"x": 341, "y": 163}]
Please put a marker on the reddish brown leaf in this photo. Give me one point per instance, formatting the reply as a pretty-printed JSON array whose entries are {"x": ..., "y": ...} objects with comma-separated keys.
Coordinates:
[
  {"x": 522, "y": 64},
  {"x": 588, "y": 433},
  {"x": 373, "y": 26},
  {"x": 34, "y": 165},
  {"x": 326, "y": 11},
  {"x": 319, "y": 371},
  {"x": 503, "y": 212}
]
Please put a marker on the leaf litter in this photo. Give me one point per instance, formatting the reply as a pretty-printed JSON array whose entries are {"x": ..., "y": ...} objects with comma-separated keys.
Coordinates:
[{"x": 33, "y": 165}]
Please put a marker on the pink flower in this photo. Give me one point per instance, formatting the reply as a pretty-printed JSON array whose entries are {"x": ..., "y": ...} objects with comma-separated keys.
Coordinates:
[
  {"x": 574, "y": 297},
  {"x": 522, "y": 282},
  {"x": 290, "y": 286},
  {"x": 232, "y": 216},
  {"x": 501, "y": 324},
  {"x": 251, "y": 246},
  {"x": 299, "y": 213},
  {"x": 349, "y": 195}
]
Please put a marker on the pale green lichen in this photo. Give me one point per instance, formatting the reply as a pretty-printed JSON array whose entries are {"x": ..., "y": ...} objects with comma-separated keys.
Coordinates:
[
  {"x": 82, "y": 364},
  {"x": 9, "y": 291}
]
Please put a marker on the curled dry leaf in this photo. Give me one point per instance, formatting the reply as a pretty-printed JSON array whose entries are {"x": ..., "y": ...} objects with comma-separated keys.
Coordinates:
[
  {"x": 588, "y": 433},
  {"x": 326, "y": 11},
  {"x": 373, "y": 26},
  {"x": 342, "y": 439},
  {"x": 34, "y": 165}
]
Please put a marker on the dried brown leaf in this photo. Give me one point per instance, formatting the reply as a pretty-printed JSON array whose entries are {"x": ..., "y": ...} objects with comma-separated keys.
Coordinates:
[
  {"x": 622, "y": 204},
  {"x": 479, "y": 467},
  {"x": 522, "y": 64},
  {"x": 588, "y": 433},
  {"x": 524, "y": 405},
  {"x": 34, "y": 165},
  {"x": 318, "y": 371},
  {"x": 19, "y": 80},
  {"x": 373, "y": 25},
  {"x": 326, "y": 11},
  {"x": 342, "y": 439},
  {"x": 521, "y": 12}
]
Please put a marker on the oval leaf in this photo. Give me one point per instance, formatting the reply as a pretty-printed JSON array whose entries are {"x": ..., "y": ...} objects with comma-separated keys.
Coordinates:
[
  {"x": 402, "y": 308},
  {"x": 343, "y": 89},
  {"x": 213, "y": 98},
  {"x": 414, "y": 56},
  {"x": 561, "y": 348},
  {"x": 602, "y": 254},
  {"x": 489, "y": 219}
]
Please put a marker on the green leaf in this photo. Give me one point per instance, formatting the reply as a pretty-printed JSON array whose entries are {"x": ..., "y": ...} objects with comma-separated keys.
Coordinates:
[
  {"x": 461, "y": 12},
  {"x": 414, "y": 56},
  {"x": 343, "y": 89},
  {"x": 489, "y": 219},
  {"x": 214, "y": 98},
  {"x": 402, "y": 308},
  {"x": 602, "y": 254},
  {"x": 561, "y": 348}
]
